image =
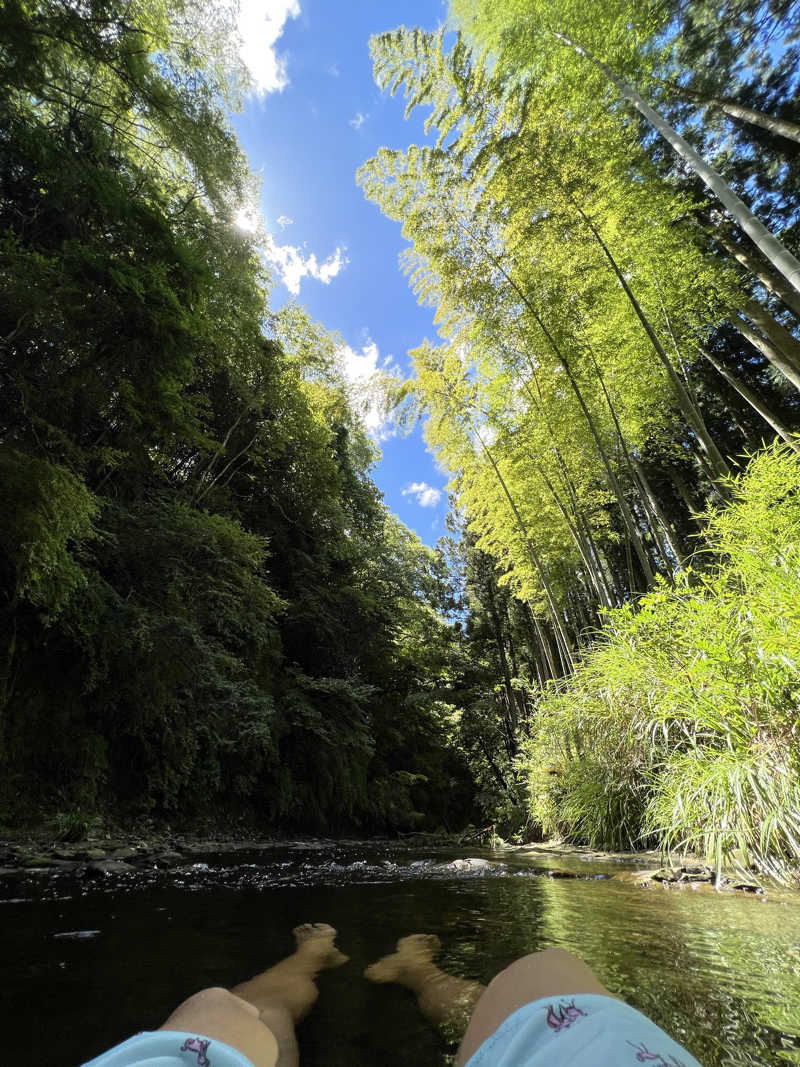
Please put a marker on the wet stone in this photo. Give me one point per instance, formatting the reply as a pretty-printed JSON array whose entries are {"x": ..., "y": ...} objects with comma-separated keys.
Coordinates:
[
  {"x": 103, "y": 868},
  {"x": 122, "y": 853},
  {"x": 470, "y": 864},
  {"x": 168, "y": 859},
  {"x": 697, "y": 874},
  {"x": 743, "y": 887},
  {"x": 679, "y": 875},
  {"x": 664, "y": 874}
]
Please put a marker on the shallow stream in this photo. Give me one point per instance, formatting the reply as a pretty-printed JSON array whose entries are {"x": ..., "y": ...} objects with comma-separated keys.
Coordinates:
[{"x": 85, "y": 964}]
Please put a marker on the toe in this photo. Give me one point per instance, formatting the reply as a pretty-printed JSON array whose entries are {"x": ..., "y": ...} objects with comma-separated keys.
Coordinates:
[{"x": 307, "y": 930}]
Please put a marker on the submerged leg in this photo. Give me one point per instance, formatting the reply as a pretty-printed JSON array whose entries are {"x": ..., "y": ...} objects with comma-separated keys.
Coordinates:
[
  {"x": 258, "y": 1016},
  {"x": 445, "y": 999},
  {"x": 290, "y": 984}
]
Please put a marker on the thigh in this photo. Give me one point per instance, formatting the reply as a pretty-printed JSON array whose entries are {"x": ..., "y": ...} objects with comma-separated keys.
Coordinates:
[
  {"x": 218, "y": 1014},
  {"x": 551, "y": 973}
]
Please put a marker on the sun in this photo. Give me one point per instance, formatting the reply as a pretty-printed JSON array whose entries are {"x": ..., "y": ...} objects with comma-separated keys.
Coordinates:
[{"x": 246, "y": 220}]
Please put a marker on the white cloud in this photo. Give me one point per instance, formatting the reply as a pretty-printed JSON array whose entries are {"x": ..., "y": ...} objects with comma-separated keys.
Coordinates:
[
  {"x": 366, "y": 395},
  {"x": 292, "y": 266},
  {"x": 261, "y": 23},
  {"x": 333, "y": 70},
  {"x": 330, "y": 268},
  {"x": 358, "y": 367},
  {"x": 427, "y": 496},
  {"x": 283, "y": 221},
  {"x": 358, "y": 120}
]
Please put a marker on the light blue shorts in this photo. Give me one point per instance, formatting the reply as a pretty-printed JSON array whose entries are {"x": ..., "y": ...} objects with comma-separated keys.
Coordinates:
[
  {"x": 588, "y": 1029},
  {"x": 170, "y": 1048}
]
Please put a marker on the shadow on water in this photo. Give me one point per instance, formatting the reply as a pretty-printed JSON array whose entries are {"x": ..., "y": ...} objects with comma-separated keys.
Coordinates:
[{"x": 719, "y": 972}]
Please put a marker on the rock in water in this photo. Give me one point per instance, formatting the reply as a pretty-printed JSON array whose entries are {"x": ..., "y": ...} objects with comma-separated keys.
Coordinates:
[
  {"x": 471, "y": 864},
  {"x": 102, "y": 868}
]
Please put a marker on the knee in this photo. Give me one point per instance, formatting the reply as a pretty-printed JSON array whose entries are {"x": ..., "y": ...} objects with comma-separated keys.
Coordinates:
[
  {"x": 213, "y": 1000},
  {"x": 551, "y": 957},
  {"x": 544, "y": 961},
  {"x": 212, "y": 995}
]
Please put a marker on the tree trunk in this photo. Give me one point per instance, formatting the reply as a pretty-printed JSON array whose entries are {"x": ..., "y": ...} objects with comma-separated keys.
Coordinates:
[
  {"x": 687, "y": 405},
  {"x": 771, "y": 282},
  {"x": 558, "y": 628},
  {"x": 521, "y": 695},
  {"x": 627, "y": 518},
  {"x": 493, "y": 766},
  {"x": 781, "y": 258},
  {"x": 783, "y": 341},
  {"x": 544, "y": 643},
  {"x": 501, "y": 651},
  {"x": 666, "y": 525},
  {"x": 767, "y": 349},
  {"x": 649, "y": 499},
  {"x": 593, "y": 569},
  {"x": 692, "y": 505},
  {"x": 610, "y": 579},
  {"x": 612, "y": 478},
  {"x": 771, "y": 123},
  {"x": 753, "y": 400}
]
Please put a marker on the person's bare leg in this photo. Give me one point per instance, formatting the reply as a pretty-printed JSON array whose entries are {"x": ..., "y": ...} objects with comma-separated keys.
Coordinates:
[
  {"x": 290, "y": 985},
  {"x": 221, "y": 1016},
  {"x": 445, "y": 999},
  {"x": 551, "y": 973},
  {"x": 258, "y": 1016}
]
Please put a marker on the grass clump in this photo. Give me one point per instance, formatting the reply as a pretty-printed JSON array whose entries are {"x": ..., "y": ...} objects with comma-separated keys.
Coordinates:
[
  {"x": 680, "y": 727},
  {"x": 76, "y": 825}
]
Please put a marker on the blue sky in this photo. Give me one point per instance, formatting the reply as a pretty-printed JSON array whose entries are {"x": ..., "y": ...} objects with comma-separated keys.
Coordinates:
[{"x": 317, "y": 117}]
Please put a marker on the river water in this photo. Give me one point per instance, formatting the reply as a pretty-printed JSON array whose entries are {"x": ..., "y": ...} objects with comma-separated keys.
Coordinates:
[{"x": 720, "y": 972}]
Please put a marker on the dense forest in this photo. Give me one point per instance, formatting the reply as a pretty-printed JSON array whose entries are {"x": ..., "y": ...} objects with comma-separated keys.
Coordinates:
[
  {"x": 206, "y": 607},
  {"x": 208, "y": 611}
]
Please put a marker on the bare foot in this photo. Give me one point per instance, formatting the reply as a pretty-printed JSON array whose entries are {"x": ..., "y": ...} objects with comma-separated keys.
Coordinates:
[
  {"x": 419, "y": 946},
  {"x": 445, "y": 999},
  {"x": 285, "y": 992},
  {"x": 306, "y": 930},
  {"x": 412, "y": 953},
  {"x": 317, "y": 939}
]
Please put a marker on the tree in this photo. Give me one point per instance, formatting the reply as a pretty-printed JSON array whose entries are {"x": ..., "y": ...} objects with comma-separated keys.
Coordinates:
[{"x": 616, "y": 27}]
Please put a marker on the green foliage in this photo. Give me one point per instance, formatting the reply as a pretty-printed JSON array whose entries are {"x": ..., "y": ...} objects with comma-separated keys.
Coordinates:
[
  {"x": 204, "y": 604},
  {"x": 46, "y": 513},
  {"x": 580, "y": 280},
  {"x": 75, "y": 825},
  {"x": 680, "y": 724},
  {"x": 391, "y": 801}
]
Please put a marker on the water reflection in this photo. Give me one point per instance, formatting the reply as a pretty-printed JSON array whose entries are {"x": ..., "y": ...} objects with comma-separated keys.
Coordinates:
[{"x": 720, "y": 973}]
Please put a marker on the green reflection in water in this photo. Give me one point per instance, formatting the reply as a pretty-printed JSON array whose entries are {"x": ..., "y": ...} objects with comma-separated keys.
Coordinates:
[{"x": 718, "y": 972}]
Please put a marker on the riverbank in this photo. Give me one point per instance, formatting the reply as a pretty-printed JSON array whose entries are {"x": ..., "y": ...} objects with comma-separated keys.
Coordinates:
[{"x": 124, "y": 854}]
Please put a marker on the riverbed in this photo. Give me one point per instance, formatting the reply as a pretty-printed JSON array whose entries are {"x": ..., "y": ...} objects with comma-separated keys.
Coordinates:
[{"x": 87, "y": 962}]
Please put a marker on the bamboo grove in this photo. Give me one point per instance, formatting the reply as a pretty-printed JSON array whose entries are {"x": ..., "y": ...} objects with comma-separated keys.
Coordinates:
[{"x": 604, "y": 217}]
